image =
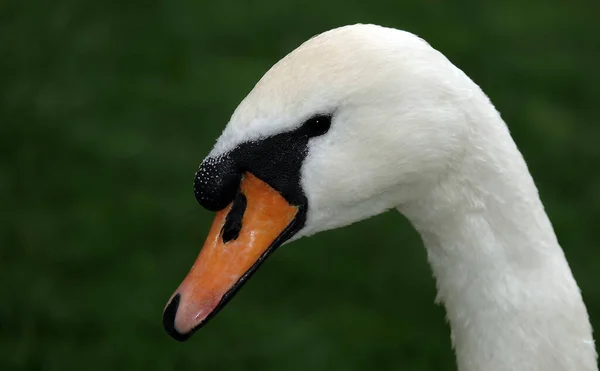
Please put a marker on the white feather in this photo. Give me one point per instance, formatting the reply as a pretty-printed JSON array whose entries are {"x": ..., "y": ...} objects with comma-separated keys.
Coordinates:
[{"x": 413, "y": 132}]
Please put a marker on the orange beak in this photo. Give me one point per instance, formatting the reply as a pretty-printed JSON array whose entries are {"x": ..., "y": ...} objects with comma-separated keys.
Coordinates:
[{"x": 240, "y": 239}]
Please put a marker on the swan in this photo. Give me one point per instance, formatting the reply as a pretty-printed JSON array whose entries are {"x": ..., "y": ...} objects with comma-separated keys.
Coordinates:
[{"x": 362, "y": 119}]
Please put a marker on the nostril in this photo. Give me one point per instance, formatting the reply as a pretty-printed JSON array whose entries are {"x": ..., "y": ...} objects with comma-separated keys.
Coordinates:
[
  {"x": 233, "y": 221},
  {"x": 169, "y": 320},
  {"x": 216, "y": 182}
]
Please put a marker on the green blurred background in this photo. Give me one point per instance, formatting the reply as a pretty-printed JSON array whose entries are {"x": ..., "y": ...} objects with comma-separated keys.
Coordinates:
[{"x": 107, "y": 109}]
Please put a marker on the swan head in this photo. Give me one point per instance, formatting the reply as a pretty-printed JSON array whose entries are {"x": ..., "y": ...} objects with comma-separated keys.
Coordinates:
[{"x": 355, "y": 121}]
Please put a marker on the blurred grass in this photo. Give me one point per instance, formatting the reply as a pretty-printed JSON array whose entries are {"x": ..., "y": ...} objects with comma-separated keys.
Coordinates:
[{"x": 107, "y": 108}]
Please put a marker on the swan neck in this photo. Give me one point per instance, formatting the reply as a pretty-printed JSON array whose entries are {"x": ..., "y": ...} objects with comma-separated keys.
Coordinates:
[{"x": 510, "y": 297}]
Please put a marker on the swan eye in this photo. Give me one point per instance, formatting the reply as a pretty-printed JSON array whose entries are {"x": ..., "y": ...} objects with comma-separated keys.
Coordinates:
[{"x": 317, "y": 125}]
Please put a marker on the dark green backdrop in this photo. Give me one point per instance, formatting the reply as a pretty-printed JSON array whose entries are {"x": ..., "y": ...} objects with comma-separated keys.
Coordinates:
[{"x": 108, "y": 107}]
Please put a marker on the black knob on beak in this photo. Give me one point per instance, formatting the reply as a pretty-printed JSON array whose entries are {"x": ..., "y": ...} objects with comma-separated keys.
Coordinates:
[{"x": 216, "y": 182}]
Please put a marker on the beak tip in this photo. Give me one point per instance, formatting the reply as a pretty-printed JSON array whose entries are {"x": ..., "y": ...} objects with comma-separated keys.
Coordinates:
[{"x": 169, "y": 320}]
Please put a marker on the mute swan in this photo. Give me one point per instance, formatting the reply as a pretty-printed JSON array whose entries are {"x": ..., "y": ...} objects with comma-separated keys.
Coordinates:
[{"x": 362, "y": 119}]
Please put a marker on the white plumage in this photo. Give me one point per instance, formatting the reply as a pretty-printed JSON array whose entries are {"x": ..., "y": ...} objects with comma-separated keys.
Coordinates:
[{"x": 411, "y": 131}]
